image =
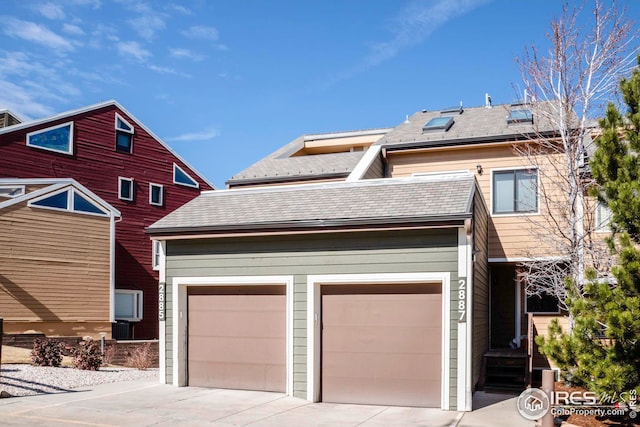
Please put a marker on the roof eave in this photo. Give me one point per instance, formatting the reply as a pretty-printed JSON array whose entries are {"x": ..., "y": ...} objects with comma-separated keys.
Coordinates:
[
  {"x": 314, "y": 225},
  {"x": 288, "y": 178},
  {"x": 390, "y": 146}
]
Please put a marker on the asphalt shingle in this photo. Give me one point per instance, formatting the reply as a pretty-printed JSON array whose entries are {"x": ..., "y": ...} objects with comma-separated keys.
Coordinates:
[{"x": 318, "y": 205}]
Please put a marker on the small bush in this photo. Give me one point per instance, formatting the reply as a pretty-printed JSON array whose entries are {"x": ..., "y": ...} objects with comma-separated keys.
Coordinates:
[
  {"x": 109, "y": 354},
  {"x": 141, "y": 357},
  {"x": 87, "y": 355},
  {"x": 46, "y": 352}
]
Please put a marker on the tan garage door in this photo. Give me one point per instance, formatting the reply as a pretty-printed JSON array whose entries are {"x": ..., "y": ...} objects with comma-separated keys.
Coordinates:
[
  {"x": 237, "y": 337},
  {"x": 381, "y": 344}
]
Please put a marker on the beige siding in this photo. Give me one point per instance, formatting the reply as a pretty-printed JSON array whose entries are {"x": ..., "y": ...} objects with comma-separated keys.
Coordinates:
[
  {"x": 54, "y": 266},
  {"x": 510, "y": 236},
  {"x": 541, "y": 324}
]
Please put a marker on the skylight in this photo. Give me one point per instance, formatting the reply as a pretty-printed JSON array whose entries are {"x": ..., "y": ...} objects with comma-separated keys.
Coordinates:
[
  {"x": 438, "y": 123},
  {"x": 455, "y": 109},
  {"x": 520, "y": 116}
]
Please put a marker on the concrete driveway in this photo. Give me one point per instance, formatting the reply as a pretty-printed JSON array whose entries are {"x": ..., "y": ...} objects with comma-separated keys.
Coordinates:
[{"x": 146, "y": 403}]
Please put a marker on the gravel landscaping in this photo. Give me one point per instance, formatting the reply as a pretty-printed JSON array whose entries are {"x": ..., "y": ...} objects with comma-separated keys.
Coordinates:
[{"x": 25, "y": 380}]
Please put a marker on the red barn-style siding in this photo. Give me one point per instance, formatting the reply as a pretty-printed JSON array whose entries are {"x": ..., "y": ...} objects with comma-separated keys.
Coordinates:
[{"x": 96, "y": 164}]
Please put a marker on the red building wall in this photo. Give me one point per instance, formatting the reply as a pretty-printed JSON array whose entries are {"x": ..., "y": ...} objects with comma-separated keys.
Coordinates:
[{"x": 97, "y": 165}]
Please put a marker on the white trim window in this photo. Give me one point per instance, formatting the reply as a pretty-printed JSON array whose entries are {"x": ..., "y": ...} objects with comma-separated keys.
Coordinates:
[
  {"x": 156, "y": 194},
  {"x": 11, "y": 191},
  {"x": 157, "y": 254},
  {"x": 180, "y": 177},
  {"x": 128, "y": 305},
  {"x": 126, "y": 189},
  {"x": 58, "y": 139},
  {"x": 124, "y": 135},
  {"x": 514, "y": 191},
  {"x": 603, "y": 218},
  {"x": 70, "y": 200}
]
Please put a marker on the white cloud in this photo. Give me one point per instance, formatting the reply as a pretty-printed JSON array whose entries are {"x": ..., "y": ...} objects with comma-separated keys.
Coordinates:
[
  {"x": 147, "y": 25},
  {"x": 167, "y": 70},
  {"x": 202, "y": 32},
  {"x": 22, "y": 102},
  {"x": 410, "y": 27},
  {"x": 72, "y": 29},
  {"x": 94, "y": 4},
  {"x": 185, "y": 54},
  {"x": 35, "y": 33},
  {"x": 195, "y": 136},
  {"x": 50, "y": 10},
  {"x": 133, "y": 50},
  {"x": 413, "y": 24},
  {"x": 181, "y": 9}
]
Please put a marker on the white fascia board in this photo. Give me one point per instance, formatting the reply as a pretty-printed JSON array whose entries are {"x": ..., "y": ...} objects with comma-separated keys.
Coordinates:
[{"x": 365, "y": 163}]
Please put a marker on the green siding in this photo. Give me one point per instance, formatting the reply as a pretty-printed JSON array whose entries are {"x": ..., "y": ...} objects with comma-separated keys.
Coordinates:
[{"x": 301, "y": 255}]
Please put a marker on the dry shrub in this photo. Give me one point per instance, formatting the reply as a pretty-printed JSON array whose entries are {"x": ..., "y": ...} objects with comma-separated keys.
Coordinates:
[
  {"x": 109, "y": 354},
  {"x": 141, "y": 357}
]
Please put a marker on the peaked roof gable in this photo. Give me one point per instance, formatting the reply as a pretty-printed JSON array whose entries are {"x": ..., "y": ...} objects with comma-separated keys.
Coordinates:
[
  {"x": 90, "y": 108},
  {"x": 52, "y": 185}
]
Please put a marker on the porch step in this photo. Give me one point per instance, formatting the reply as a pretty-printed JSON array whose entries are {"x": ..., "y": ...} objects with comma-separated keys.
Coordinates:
[{"x": 504, "y": 370}]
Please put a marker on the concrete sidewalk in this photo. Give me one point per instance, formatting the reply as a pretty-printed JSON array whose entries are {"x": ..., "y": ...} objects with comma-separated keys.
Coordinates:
[{"x": 145, "y": 403}]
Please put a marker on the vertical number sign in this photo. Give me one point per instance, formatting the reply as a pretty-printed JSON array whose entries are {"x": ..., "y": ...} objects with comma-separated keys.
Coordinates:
[
  {"x": 161, "y": 301},
  {"x": 462, "y": 300}
]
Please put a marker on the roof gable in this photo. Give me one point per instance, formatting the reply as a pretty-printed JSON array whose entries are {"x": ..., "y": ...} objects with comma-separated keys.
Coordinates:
[{"x": 112, "y": 103}]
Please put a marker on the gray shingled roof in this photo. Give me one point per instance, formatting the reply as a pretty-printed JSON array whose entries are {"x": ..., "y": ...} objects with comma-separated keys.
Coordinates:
[
  {"x": 379, "y": 202},
  {"x": 474, "y": 124},
  {"x": 280, "y": 166}
]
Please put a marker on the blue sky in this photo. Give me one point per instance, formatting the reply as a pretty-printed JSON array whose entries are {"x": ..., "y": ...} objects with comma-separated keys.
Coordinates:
[{"x": 227, "y": 82}]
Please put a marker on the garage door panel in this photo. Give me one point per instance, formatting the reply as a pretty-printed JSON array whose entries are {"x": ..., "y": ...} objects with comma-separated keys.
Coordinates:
[
  {"x": 381, "y": 347},
  {"x": 381, "y": 365},
  {"x": 241, "y": 350},
  {"x": 382, "y": 339},
  {"x": 238, "y": 323},
  {"x": 400, "y": 393},
  {"x": 237, "y": 341},
  {"x": 238, "y": 376},
  {"x": 399, "y": 310}
]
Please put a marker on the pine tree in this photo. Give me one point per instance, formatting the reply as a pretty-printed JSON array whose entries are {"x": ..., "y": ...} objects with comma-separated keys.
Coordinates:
[{"x": 602, "y": 351}]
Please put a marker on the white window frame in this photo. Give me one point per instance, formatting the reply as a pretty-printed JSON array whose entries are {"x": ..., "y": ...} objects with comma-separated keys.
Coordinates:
[
  {"x": 517, "y": 168},
  {"x": 156, "y": 254},
  {"x": 159, "y": 186},
  {"x": 39, "y": 131},
  {"x": 137, "y": 309},
  {"x": 175, "y": 166},
  {"x": 21, "y": 190},
  {"x": 121, "y": 179},
  {"x": 70, "y": 203},
  {"x": 600, "y": 226},
  {"x": 119, "y": 129}
]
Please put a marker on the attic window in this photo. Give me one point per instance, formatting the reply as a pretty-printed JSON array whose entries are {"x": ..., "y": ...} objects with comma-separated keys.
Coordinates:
[
  {"x": 438, "y": 123},
  {"x": 68, "y": 200},
  {"x": 520, "y": 116},
  {"x": 182, "y": 178},
  {"x": 56, "y": 138},
  {"x": 124, "y": 135}
]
